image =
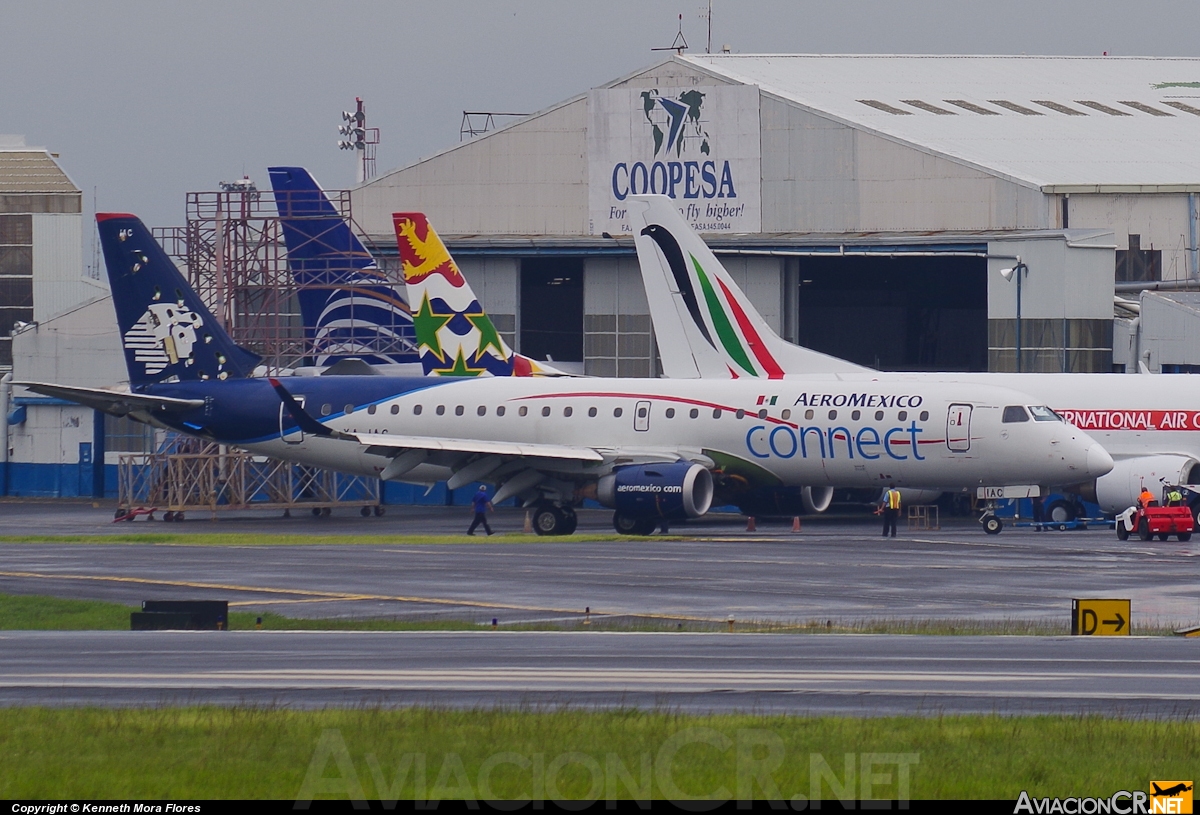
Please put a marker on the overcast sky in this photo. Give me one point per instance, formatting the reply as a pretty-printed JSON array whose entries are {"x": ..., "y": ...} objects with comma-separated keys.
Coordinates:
[{"x": 148, "y": 100}]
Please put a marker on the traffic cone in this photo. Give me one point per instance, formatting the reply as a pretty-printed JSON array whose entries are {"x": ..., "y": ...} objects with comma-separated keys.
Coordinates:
[
  {"x": 795, "y": 523},
  {"x": 750, "y": 526},
  {"x": 528, "y": 523}
]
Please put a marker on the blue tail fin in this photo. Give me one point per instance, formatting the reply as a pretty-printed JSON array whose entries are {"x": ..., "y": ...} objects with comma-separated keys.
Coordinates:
[
  {"x": 166, "y": 330},
  {"x": 349, "y": 307}
]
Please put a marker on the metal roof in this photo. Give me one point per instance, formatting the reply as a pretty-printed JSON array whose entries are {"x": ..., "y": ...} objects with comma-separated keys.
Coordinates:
[
  {"x": 942, "y": 242},
  {"x": 1062, "y": 124},
  {"x": 32, "y": 172}
]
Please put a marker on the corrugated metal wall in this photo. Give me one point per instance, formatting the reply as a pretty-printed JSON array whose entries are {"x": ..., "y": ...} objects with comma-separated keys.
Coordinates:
[
  {"x": 529, "y": 179},
  {"x": 59, "y": 282},
  {"x": 823, "y": 176},
  {"x": 617, "y": 338}
]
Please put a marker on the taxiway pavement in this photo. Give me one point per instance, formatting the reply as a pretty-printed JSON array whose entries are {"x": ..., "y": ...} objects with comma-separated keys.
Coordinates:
[
  {"x": 837, "y": 571},
  {"x": 807, "y": 674}
]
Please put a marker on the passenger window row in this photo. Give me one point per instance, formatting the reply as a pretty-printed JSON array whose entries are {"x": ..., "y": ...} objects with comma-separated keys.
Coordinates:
[{"x": 1013, "y": 413}]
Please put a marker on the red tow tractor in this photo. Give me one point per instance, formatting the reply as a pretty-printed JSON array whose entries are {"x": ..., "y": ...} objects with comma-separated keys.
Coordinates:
[{"x": 1157, "y": 518}]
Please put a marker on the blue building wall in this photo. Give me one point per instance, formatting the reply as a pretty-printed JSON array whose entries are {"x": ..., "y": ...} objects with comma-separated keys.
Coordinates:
[
  {"x": 76, "y": 481},
  {"x": 57, "y": 480}
]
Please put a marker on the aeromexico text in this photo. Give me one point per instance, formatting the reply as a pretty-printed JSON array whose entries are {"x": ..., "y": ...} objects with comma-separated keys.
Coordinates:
[{"x": 868, "y": 400}]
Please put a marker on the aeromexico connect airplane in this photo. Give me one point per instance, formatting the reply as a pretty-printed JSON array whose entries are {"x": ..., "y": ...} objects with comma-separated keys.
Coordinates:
[
  {"x": 650, "y": 449},
  {"x": 708, "y": 329},
  {"x": 354, "y": 311}
]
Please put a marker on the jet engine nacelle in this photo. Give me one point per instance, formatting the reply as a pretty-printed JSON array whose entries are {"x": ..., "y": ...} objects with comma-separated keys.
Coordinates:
[
  {"x": 679, "y": 490},
  {"x": 1119, "y": 489},
  {"x": 816, "y": 499},
  {"x": 911, "y": 497}
]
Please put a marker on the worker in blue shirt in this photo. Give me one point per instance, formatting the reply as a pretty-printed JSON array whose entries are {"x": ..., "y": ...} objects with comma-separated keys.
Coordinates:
[{"x": 482, "y": 505}]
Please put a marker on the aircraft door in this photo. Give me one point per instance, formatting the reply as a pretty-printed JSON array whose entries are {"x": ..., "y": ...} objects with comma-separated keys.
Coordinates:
[
  {"x": 958, "y": 428},
  {"x": 295, "y": 438},
  {"x": 641, "y": 416}
]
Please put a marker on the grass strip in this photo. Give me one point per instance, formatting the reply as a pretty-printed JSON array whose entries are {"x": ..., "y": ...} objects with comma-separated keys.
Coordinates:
[
  {"x": 20, "y": 612},
  {"x": 240, "y": 752},
  {"x": 39, "y": 613},
  {"x": 301, "y": 539}
]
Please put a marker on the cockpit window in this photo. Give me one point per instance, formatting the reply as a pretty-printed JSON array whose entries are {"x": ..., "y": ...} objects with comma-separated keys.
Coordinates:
[
  {"x": 1041, "y": 413},
  {"x": 1015, "y": 413}
]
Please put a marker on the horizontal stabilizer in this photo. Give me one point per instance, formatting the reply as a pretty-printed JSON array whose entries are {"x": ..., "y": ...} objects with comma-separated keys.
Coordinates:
[{"x": 116, "y": 403}]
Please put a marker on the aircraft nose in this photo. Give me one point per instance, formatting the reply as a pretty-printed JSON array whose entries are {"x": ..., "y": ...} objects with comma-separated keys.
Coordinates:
[{"x": 1099, "y": 462}]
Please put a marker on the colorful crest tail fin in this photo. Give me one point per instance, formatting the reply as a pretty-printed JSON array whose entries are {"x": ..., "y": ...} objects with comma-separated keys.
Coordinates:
[
  {"x": 455, "y": 335},
  {"x": 166, "y": 331},
  {"x": 349, "y": 307},
  {"x": 705, "y": 324}
]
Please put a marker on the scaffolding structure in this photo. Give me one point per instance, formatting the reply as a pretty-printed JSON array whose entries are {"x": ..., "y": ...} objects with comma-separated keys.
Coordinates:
[
  {"x": 200, "y": 476},
  {"x": 231, "y": 251}
]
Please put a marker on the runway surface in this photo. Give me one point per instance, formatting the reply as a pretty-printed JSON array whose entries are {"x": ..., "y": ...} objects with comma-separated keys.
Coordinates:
[
  {"x": 829, "y": 571},
  {"x": 837, "y": 571},
  {"x": 808, "y": 674}
]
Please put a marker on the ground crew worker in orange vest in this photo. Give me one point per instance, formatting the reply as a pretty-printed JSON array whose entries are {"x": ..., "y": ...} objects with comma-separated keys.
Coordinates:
[
  {"x": 891, "y": 509},
  {"x": 1146, "y": 498}
]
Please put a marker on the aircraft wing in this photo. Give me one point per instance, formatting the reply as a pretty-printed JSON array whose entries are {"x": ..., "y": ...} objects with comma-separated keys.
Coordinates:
[
  {"x": 502, "y": 448},
  {"x": 385, "y": 442},
  {"x": 118, "y": 403}
]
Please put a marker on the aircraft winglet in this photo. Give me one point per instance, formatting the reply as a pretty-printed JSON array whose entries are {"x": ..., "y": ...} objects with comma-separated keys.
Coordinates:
[{"x": 303, "y": 420}]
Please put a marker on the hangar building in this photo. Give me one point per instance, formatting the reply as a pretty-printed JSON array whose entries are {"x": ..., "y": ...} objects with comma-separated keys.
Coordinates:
[
  {"x": 55, "y": 321},
  {"x": 867, "y": 203}
]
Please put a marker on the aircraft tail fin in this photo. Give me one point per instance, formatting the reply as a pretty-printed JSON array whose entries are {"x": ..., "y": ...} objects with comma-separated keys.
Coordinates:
[
  {"x": 705, "y": 325},
  {"x": 166, "y": 331},
  {"x": 349, "y": 307},
  {"x": 455, "y": 335}
]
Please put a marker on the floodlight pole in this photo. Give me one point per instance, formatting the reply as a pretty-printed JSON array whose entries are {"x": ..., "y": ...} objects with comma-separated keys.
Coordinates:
[{"x": 1019, "y": 271}]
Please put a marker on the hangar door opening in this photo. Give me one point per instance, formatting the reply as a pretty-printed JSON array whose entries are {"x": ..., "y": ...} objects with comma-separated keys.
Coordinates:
[
  {"x": 551, "y": 318},
  {"x": 896, "y": 313}
]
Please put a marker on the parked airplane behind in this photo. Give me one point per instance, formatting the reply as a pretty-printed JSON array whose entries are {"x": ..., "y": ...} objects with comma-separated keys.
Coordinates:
[
  {"x": 455, "y": 335},
  {"x": 650, "y": 449},
  {"x": 359, "y": 313},
  {"x": 1149, "y": 424},
  {"x": 349, "y": 307}
]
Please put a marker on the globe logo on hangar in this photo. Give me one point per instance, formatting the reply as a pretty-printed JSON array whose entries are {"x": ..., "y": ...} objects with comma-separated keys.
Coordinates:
[{"x": 681, "y": 165}]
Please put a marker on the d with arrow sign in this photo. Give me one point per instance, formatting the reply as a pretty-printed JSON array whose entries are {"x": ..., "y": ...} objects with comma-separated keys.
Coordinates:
[{"x": 1105, "y": 618}]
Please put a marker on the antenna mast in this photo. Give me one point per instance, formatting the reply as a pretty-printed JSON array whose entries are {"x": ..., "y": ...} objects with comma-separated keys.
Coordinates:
[
  {"x": 708, "y": 48},
  {"x": 680, "y": 43}
]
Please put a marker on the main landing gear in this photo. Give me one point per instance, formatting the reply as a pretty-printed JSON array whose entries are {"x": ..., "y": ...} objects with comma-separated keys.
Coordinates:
[
  {"x": 551, "y": 519},
  {"x": 633, "y": 525}
]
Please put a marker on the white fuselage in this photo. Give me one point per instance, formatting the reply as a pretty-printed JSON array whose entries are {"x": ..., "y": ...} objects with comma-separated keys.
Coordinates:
[
  {"x": 1130, "y": 415},
  {"x": 811, "y": 431}
]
